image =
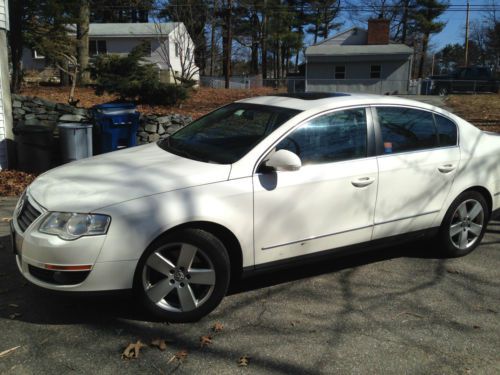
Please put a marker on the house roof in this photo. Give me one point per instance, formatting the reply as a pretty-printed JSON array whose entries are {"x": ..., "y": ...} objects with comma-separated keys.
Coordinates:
[
  {"x": 358, "y": 50},
  {"x": 131, "y": 29}
]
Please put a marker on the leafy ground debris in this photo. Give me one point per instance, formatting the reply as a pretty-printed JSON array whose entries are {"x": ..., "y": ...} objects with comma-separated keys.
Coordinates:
[
  {"x": 13, "y": 183},
  {"x": 132, "y": 350},
  {"x": 201, "y": 101}
]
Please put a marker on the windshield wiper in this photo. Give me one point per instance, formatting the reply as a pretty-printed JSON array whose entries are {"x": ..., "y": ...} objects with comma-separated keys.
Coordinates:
[{"x": 182, "y": 152}]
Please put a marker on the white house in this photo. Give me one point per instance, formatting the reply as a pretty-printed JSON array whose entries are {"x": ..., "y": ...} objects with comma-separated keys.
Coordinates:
[{"x": 171, "y": 47}]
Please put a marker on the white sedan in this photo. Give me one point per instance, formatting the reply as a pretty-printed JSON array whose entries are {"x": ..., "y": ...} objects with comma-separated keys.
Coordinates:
[{"x": 256, "y": 184}]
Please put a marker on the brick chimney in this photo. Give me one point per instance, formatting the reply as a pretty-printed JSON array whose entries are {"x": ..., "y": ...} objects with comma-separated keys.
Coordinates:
[{"x": 378, "y": 31}]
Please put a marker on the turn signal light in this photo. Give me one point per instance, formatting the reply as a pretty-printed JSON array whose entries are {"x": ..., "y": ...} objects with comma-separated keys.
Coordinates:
[{"x": 53, "y": 267}]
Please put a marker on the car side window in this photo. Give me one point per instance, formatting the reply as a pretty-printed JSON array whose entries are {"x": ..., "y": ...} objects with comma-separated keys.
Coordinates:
[
  {"x": 406, "y": 129},
  {"x": 336, "y": 136},
  {"x": 447, "y": 131}
]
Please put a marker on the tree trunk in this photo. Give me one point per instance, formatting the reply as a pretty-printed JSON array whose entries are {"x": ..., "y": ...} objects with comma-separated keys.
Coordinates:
[
  {"x": 227, "y": 57},
  {"x": 82, "y": 36},
  {"x": 405, "y": 21},
  {"x": 263, "y": 42},
  {"x": 425, "y": 42},
  {"x": 16, "y": 42},
  {"x": 254, "y": 61},
  {"x": 212, "y": 45}
]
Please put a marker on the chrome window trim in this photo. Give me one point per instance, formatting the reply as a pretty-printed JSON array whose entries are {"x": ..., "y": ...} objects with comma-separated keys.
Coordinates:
[
  {"x": 378, "y": 130},
  {"x": 369, "y": 134}
]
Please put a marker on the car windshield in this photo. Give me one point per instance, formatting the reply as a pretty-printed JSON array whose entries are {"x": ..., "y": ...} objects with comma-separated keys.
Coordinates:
[{"x": 227, "y": 134}]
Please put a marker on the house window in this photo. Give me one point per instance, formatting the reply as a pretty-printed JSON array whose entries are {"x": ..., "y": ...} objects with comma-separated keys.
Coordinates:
[
  {"x": 97, "y": 47},
  {"x": 37, "y": 55},
  {"x": 375, "y": 71},
  {"x": 177, "y": 48},
  {"x": 339, "y": 71}
]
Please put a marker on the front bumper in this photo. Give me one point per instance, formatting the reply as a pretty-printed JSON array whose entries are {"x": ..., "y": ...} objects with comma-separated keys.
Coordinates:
[{"x": 52, "y": 263}]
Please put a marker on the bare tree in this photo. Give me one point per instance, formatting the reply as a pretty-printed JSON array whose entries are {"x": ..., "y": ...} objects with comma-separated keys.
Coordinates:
[{"x": 176, "y": 44}]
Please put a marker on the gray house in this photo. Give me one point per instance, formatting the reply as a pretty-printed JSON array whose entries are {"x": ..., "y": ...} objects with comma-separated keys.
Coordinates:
[{"x": 359, "y": 60}]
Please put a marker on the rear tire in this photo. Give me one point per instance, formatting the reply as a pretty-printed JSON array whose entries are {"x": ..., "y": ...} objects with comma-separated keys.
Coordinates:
[
  {"x": 464, "y": 224},
  {"x": 183, "y": 275}
]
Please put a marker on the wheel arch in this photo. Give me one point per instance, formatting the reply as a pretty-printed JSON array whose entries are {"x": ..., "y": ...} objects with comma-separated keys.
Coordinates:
[
  {"x": 485, "y": 193},
  {"x": 226, "y": 236}
]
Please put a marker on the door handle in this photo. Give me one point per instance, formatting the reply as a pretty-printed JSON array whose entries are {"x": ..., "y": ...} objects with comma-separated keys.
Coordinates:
[
  {"x": 447, "y": 168},
  {"x": 363, "y": 181}
]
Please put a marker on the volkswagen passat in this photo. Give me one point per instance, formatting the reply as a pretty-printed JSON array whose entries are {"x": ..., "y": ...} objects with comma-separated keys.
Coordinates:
[{"x": 254, "y": 184}]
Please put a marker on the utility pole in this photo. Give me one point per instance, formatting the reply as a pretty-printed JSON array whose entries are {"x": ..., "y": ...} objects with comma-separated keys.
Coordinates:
[{"x": 467, "y": 36}]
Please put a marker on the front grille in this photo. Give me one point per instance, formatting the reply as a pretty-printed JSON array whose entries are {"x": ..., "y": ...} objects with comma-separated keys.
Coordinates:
[{"x": 27, "y": 215}]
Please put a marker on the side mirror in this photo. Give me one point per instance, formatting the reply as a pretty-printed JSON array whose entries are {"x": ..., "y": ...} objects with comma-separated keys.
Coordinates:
[{"x": 284, "y": 160}]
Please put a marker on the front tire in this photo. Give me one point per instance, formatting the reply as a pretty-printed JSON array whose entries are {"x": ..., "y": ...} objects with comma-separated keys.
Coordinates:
[
  {"x": 183, "y": 275},
  {"x": 464, "y": 224}
]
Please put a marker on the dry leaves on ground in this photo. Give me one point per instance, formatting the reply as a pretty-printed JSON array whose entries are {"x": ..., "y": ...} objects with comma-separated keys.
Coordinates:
[
  {"x": 8, "y": 351},
  {"x": 244, "y": 361},
  {"x": 180, "y": 356},
  {"x": 205, "y": 341},
  {"x": 217, "y": 327},
  {"x": 132, "y": 350},
  {"x": 6, "y": 219},
  {"x": 13, "y": 183},
  {"x": 160, "y": 344}
]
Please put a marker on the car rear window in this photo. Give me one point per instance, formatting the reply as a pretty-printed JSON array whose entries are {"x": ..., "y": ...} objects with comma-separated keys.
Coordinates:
[{"x": 406, "y": 129}]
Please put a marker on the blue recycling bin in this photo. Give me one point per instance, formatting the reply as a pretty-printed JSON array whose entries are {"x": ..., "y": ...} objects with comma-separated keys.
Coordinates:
[{"x": 116, "y": 125}]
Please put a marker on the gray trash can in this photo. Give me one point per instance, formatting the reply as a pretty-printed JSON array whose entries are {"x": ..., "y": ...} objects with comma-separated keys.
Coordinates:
[{"x": 75, "y": 140}]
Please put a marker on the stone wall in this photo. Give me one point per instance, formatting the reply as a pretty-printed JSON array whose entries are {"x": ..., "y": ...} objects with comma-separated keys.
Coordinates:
[
  {"x": 29, "y": 110},
  {"x": 157, "y": 127}
]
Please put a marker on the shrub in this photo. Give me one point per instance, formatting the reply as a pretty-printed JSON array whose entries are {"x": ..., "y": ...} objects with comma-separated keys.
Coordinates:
[{"x": 133, "y": 79}]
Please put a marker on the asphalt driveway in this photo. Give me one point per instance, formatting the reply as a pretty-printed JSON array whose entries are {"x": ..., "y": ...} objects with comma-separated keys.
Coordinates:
[{"x": 399, "y": 310}]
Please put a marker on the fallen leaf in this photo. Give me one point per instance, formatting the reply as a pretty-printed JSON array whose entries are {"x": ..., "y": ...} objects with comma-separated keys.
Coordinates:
[
  {"x": 8, "y": 351},
  {"x": 14, "y": 315},
  {"x": 476, "y": 326},
  {"x": 6, "y": 219},
  {"x": 179, "y": 356},
  {"x": 132, "y": 350},
  {"x": 13, "y": 305},
  {"x": 159, "y": 343},
  {"x": 243, "y": 361},
  {"x": 205, "y": 340},
  {"x": 217, "y": 327},
  {"x": 453, "y": 270}
]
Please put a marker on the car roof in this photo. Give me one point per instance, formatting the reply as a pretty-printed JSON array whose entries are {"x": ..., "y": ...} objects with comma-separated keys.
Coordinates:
[{"x": 323, "y": 101}]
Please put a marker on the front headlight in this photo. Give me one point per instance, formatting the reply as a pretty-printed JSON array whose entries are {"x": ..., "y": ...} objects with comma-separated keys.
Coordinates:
[{"x": 70, "y": 226}]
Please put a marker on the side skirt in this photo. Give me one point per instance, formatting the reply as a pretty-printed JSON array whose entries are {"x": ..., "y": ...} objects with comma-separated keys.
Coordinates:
[{"x": 339, "y": 252}]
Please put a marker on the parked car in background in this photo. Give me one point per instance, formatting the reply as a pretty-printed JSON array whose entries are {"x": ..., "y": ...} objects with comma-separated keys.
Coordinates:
[
  {"x": 256, "y": 184},
  {"x": 470, "y": 79}
]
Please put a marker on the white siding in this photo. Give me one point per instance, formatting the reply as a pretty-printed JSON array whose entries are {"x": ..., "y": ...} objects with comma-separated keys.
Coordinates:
[
  {"x": 3, "y": 143},
  {"x": 4, "y": 18}
]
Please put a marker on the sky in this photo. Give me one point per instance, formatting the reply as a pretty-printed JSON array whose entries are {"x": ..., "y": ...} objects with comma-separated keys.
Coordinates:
[{"x": 454, "y": 31}]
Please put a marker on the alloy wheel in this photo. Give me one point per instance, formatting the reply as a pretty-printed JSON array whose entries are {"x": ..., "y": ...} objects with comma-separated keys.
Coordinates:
[
  {"x": 467, "y": 224},
  {"x": 178, "y": 277}
]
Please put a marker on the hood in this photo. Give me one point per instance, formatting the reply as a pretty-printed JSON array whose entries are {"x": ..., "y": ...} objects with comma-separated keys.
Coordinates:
[{"x": 89, "y": 184}]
